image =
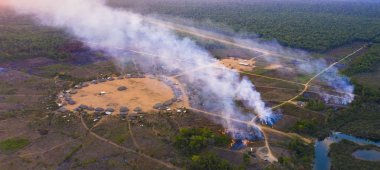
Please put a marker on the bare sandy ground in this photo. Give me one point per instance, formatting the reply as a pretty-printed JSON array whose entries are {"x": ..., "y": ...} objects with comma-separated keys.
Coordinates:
[
  {"x": 141, "y": 92},
  {"x": 237, "y": 64}
]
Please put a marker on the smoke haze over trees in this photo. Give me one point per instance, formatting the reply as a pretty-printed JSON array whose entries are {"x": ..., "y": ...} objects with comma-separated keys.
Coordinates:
[{"x": 312, "y": 25}]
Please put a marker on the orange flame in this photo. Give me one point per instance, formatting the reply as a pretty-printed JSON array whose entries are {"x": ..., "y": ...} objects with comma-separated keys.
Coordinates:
[
  {"x": 232, "y": 143},
  {"x": 246, "y": 142}
]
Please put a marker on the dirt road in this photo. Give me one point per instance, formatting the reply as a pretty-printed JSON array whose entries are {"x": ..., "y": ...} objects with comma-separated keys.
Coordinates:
[
  {"x": 202, "y": 34},
  {"x": 307, "y": 84}
]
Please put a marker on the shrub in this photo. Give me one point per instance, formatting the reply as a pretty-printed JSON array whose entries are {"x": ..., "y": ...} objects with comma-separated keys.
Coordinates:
[
  {"x": 209, "y": 161},
  {"x": 12, "y": 145}
]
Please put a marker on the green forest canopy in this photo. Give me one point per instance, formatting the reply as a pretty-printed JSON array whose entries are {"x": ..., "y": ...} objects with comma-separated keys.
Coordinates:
[{"x": 311, "y": 25}]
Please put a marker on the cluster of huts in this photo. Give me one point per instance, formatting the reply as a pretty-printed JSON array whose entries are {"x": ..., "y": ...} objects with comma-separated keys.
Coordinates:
[
  {"x": 98, "y": 112},
  {"x": 110, "y": 78},
  {"x": 65, "y": 98},
  {"x": 177, "y": 95}
]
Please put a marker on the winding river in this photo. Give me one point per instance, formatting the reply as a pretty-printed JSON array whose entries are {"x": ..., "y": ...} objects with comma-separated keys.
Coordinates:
[{"x": 322, "y": 160}]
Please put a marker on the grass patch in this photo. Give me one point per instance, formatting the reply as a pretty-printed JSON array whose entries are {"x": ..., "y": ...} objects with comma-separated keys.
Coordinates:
[
  {"x": 316, "y": 105},
  {"x": 115, "y": 131},
  {"x": 120, "y": 138},
  {"x": 13, "y": 144},
  {"x": 56, "y": 69},
  {"x": 72, "y": 152},
  {"x": 209, "y": 161},
  {"x": 85, "y": 163}
]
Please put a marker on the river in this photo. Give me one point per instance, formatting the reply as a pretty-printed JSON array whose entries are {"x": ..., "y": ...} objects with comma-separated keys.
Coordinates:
[{"x": 322, "y": 160}]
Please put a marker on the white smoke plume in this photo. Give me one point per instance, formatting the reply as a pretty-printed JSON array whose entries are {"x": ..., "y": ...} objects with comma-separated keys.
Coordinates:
[
  {"x": 93, "y": 21},
  {"x": 296, "y": 61}
]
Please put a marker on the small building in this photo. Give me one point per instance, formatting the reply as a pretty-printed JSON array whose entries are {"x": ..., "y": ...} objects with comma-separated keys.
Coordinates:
[
  {"x": 110, "y": 110},
  {"x": 137, "y": 110},
  {"x": 83, "y": 107},
  {"x": 132, "y": 117},
  {"x": 62, "y": 110},
  {"x": 168, "y": 103},
  {"x": 301, "y": 104},
  {"x": 123, "y": 115},
  {"x": 122, "y": 88},
  {"x": 99, "y": 109},
  {"x": 71, "y": 102},
  {"x": 124, "y": 109},
  {"x": 90, "y": 108},
  {"x": 158, "y": 106},
  {"x": 243, "y": 64}
]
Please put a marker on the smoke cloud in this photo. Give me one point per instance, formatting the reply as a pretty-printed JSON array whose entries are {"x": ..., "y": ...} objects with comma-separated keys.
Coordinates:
[
  {"x": 300, "y": 62},
  {"x": 107, "y": 28},
  {"x": 293, "y": 61},
  {"x": 104, "y": 28}
]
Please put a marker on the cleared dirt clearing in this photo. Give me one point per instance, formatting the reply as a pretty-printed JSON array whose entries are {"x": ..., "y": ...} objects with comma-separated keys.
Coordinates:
[{"x": 141, "y": 92}]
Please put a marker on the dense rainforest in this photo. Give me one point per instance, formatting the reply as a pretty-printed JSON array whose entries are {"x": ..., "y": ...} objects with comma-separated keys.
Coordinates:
[{"x": 311, "y": 25}]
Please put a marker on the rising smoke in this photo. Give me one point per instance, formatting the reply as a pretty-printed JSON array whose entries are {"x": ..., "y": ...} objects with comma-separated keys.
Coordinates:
[
  {"x": 105, "y": 28},
  {"x": 293, "y": 60},
  {"x": 93, "y": 21},
  {"x": 303, "y": 63}
]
